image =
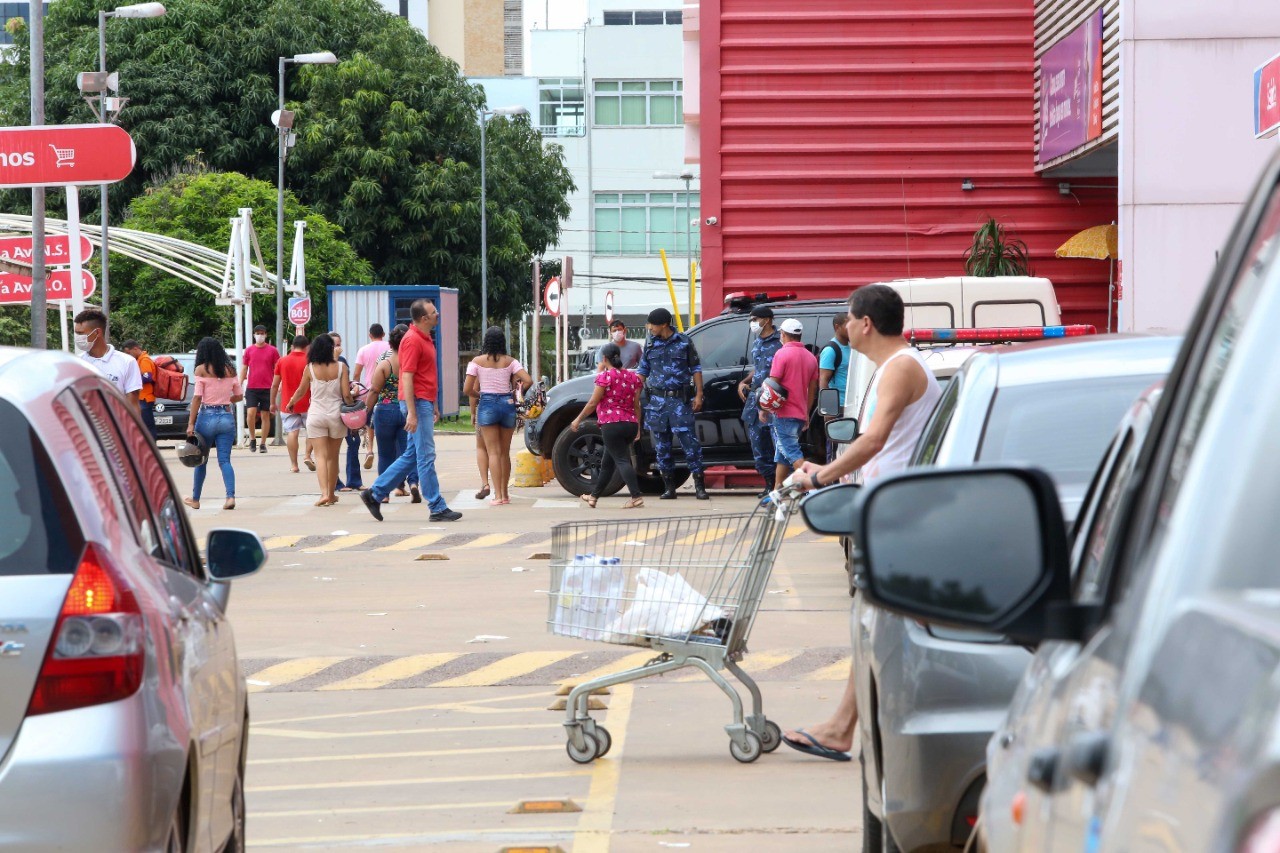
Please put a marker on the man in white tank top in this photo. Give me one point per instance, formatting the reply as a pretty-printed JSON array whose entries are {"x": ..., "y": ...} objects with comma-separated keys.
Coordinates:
[{"x": 902, "y": 396}]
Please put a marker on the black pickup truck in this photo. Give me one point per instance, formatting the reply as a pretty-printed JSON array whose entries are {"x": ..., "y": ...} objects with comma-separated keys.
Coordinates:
[{"x": 723, "y": 344}]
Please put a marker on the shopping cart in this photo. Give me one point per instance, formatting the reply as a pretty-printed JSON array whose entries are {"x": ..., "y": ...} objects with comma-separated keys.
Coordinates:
[
  {"x": 688, "y": 587},
  {"x": 65, "y": 156}
]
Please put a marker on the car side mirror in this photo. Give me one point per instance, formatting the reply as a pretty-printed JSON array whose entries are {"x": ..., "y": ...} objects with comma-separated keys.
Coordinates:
[
  {"x": 231, "y": 554},
  {"x": 982, "y": 548},
  {"x": 830, "y": 511},
  {"x": 829, "y": 402},
  {"x": 842, "y": 430}
]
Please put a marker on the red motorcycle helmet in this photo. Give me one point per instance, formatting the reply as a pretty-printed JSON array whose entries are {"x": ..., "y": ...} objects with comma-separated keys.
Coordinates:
[{"x": 772, "y": 395}]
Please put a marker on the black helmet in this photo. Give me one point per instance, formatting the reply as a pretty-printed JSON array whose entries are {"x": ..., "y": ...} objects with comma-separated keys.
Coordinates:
[{"x": 194, "y": 452}]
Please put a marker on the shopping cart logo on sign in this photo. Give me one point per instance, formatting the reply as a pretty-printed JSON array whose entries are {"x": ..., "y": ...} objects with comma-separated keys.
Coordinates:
[{"x": 66, "y": 156}]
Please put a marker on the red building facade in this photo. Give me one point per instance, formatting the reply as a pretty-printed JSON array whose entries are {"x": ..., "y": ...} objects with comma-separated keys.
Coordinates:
[{"x": 845, "y": 143}]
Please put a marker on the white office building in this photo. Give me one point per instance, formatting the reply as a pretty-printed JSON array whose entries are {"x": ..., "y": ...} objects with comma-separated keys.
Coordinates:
[{"x": 612, "y": 94}]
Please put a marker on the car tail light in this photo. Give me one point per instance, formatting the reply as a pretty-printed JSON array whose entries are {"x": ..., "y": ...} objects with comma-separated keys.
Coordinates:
[
  {"x": 997, "y": 335},
  {"x": 1263, "y": 835},
  {"x": 95, "y": 655}
]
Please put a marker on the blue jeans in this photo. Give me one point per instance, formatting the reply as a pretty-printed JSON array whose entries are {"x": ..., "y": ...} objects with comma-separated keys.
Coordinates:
[
  {"x": 388, "y": 432},
  {"x": 786, "y": 440},
  {"x": 353, "y": 460},
  {"x": 420, "y": 454},
  {"x": 218, "y": 427},
  {"x": 496, "y": 410},
  {"x": 148, "y": 412}
]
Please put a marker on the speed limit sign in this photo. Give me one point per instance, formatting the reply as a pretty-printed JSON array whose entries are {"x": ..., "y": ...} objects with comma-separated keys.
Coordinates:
[
  {"x": 551, "y": 297},
  {"x": 608, "y": 307}
]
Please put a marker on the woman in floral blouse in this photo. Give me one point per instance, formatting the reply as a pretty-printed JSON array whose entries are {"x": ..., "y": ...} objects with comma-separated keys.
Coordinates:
[{"x": 616, "y": 404}]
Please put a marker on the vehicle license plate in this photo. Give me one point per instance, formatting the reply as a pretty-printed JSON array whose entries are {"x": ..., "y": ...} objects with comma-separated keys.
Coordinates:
[{"x": 164, "y": 420}]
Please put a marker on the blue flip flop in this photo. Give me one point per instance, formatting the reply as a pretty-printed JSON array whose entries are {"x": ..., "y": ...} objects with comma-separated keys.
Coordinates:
[{"x": 815, "y": 748}]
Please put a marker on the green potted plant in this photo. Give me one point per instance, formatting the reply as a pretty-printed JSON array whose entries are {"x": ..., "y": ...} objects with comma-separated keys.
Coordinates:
[{"x": 994, "y": 253}]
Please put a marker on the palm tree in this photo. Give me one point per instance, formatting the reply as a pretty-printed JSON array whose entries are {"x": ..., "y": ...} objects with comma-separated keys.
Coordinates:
[{"x": 993, "y": 254}]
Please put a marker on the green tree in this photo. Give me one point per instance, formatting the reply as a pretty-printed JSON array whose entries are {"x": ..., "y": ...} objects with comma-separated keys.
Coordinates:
[
  {"x": 172, "y": 315},
  {"x": 389, "y": 140},
  {"x": 994, "y": 253}
]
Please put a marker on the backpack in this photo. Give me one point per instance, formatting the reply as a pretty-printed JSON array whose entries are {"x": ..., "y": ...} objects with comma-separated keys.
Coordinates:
[
  {"x": 169, "y": 380},
  {"x": 839, "y": 354}
]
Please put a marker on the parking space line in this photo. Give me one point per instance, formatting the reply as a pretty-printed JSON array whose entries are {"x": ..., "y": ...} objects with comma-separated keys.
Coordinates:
[
  {"x": 337, "y": 543},
  {"x": 282, "y": 542},
  {"x": 418, "y": 807},
  {"x": 288, "y": 671},
  {"x": 435, "y": 706},
  {"x": 516, "y": 665},
  {"x": 391, "y": 671},
  {"x": 423, "y": 753},
  {"x": 411, "y": 542},
  {"x": 490, "y": 540},
  {"x": 433, "y": 780},
  {"x": 524, "y": 838},
  {"x": 596, "y": 823},
  {"x": 837, "y": 671},
  {"x": 259, "y": 731}
]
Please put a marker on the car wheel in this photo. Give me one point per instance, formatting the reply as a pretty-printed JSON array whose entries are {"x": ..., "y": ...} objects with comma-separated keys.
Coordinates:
[
  {"x": 651, "y": 484},
  {"x": 576, "y": 457}
]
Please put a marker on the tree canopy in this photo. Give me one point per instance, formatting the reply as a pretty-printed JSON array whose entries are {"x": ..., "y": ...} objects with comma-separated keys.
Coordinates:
[{"x": 389, "y": 142}]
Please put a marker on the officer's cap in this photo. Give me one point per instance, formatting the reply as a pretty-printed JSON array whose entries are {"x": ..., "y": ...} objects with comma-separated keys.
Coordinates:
[
  {"x": 660, "y": 317},
  {"x": 762, "y": 311}
]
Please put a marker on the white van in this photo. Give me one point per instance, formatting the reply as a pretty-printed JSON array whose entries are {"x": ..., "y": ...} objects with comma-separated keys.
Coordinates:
[{"x": 959, "y": 302}]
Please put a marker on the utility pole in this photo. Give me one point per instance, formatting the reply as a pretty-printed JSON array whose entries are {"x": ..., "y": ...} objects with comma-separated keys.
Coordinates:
[{"x": 39, "y": 317}]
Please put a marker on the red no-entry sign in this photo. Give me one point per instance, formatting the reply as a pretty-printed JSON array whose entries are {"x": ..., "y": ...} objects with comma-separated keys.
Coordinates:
[
  {"x": 64, "y": 155},
  {"x": 16, "y": 289}
]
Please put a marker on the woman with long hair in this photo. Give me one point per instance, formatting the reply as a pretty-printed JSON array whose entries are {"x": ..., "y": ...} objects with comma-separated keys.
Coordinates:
[
  {"x": 493, "y": 376},
  {"x": 387, "y": 412},
  {"x": 616, "y": 405},
  {"x": 217, "y": 390},
  {"x": 327, "y": 380}
]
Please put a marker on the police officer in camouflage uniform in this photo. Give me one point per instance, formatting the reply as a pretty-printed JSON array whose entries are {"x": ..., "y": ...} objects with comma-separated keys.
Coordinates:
[
  {"x": 669, "y": 363},
  {"x": 767, "y": 341}
]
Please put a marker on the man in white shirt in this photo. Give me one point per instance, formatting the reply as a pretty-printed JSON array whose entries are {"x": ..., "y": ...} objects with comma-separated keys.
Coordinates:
[{"x": 91, "y": 344}]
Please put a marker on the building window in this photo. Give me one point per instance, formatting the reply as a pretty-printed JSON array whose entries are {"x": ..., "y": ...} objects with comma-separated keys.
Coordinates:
[
  {"x": 9, "y": 11},
  {"x": 561, "y": 107},
  {"x": 650, "y": 18},
  {"x": 643, "y": 223},
  {"x": 639, "y": 103}
]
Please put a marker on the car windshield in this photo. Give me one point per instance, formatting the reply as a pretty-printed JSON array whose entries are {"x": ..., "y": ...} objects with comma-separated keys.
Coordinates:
[
  {"x": 1025, "y": 425},
  {"x": 39, "y": 534}
]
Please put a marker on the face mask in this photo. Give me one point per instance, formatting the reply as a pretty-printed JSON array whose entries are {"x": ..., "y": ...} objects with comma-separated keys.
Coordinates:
[
  {"x": 755, "y": 327},
  {"x": 83, "y": 344},
  {"x": 618, "y": 336},
  {"x": 262, "y": 339}
]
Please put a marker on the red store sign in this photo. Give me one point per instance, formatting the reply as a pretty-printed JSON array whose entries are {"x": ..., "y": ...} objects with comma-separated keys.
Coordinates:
[
  {"x": 16, "y": 289},
  {"x": 1266, "y": 98},
  {"x": 65, "y": 155}
]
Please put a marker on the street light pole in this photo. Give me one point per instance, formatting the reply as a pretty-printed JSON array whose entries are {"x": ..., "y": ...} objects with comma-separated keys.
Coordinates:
[{"x": 485, "y": 114}]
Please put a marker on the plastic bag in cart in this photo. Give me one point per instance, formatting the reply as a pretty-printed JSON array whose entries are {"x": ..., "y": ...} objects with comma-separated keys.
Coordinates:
[
  {"x": 664, "y": 605},
  {"x": 591, "y": 596}
]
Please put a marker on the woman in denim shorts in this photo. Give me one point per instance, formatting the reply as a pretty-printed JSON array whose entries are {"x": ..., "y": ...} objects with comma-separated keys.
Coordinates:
[{"x": 496, "y": 378}]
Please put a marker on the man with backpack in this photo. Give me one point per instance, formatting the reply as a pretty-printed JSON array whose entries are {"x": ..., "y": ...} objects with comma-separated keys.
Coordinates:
[
  {"x": 147, "y": 394},
  {"x": 833, "y": 366}
]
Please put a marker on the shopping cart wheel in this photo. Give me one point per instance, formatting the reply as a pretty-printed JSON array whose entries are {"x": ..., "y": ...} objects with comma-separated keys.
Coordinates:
[
  {"x": 604, "y": 739},
  {"x": 588, "y": 753},
  {"x": 772, "y": 738},
  {"x": 748, "y": 755}
]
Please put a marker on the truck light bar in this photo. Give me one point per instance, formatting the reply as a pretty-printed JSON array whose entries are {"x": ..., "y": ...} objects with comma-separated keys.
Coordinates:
[
  {"x": 997, "y": 335},
  {"x": 746, "y": 297}
]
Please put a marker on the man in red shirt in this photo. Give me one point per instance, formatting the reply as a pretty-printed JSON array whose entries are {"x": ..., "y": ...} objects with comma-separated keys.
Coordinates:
[
  {"x": 797, "y": 370},
  {"x": 257, "y": 366},
  {"x": 419, "y": 387},
  {"x": 288, "y": 376}
]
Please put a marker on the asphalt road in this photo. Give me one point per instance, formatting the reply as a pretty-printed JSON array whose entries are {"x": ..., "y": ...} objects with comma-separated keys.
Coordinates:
[{"x": 402, "y": 703}]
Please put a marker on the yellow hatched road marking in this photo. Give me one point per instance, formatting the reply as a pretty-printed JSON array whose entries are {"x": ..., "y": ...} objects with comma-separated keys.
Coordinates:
[
  {"x": 489, "y": 540},
  {"x": 432, "y": 780},
  {"x": 522, "y": 663},
  {"x": 418, "y": 807},
  {"x": 596, "y": 823},
  {"x": 426, "y": 753},
  {"x": 795, "y": 530},
  {"x": 282, "y": 542},
  {"x": 411, "y": 542},
  {"x": 340, "y": 542},
  {"x": 837, "y": 671},
  {"x": 754, "y": 664},
  {"x": 651, "y": 533},
  {"x": 394, "y": 670},
  {"x": 630, "y": 661},
  {"x": 417, "y": 838},
  {"x": 705, "y": 536},
  {"x": 289, "y": 671},
  {"x": 300, "y": 734}
]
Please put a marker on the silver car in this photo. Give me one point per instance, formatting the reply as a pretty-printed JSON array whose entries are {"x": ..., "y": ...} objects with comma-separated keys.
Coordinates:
[
  {"x": 123, "y": 714},
  {"x": 1150, "y": 719},
  {"x": 930, "y": 696}
]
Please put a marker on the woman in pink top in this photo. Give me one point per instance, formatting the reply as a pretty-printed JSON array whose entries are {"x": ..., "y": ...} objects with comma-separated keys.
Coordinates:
[
  {"x": 616, "y": 404},
  {"x": 493, "y": 376},
  {"x": 217, "y": 390}
]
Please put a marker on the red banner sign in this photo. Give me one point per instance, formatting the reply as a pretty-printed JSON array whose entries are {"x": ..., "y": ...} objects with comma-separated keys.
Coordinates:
[
  {"x": 64, "y": 155},
  {"x": 300, "y": 311},
  {"x": 16, "y": 289},
  {"x": 1266, "y": 98},
  {"x": 57, "y": 249}
]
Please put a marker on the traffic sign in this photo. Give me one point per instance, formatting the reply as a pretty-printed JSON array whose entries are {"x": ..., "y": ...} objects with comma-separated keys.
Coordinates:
[
  {"x": 16, "y": 289},
  {"x": 300, "y": 311},
  {"x": 65, "y": 155},
  {"x": 57, "y": 249},
  {"x": 551, "y": 296},
  {"x": 608, "y": 307}
]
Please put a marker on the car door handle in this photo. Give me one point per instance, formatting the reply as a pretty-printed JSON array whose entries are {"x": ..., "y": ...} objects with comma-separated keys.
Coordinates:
[
  {"x": 1086, "y": 756},
  {"x": 1043, "y": 768}
]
